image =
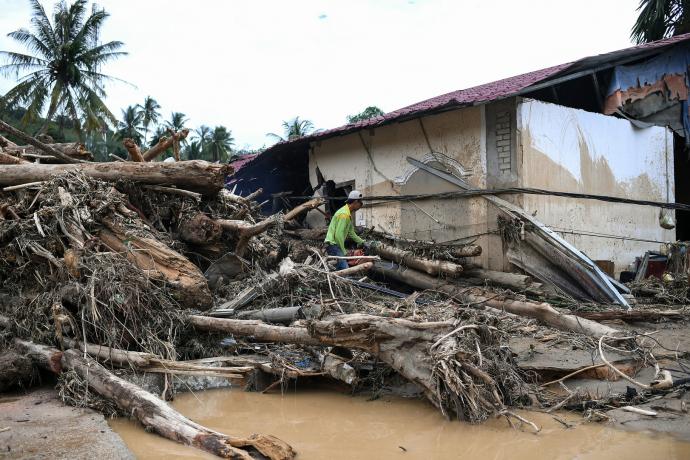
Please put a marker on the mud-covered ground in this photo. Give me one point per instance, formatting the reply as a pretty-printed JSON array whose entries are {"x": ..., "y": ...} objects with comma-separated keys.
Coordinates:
[{"x": 37, "y": 425}]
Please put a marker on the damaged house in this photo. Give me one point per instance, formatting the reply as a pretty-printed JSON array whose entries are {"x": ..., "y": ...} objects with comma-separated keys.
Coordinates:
[{"x": 614, "y": 125}]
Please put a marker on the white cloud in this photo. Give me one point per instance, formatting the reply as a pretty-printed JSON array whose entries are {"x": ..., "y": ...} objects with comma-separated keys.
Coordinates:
[{"x": 251, "y": 64}]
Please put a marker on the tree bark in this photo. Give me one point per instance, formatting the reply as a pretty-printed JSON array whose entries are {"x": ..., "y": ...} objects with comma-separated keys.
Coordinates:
[
  {"x": 200, "y": 229},
  {"x": 432, "y": 267},
  {"x": 470, "y": 250},
  {"x": 15, "y": 370},
  {"x": 154, "y": 257},
  {"x": 7, "y": 159},
  {"x": 44, "y": 357},
  {"x": 513, "y": 281},
  {"x": 164, "y": 144},
  {"x": 541, "y": 311},
  {"x": 36, "y": 143},
  {"x": 75, "y": 150},
  {"x": 133, "y": 150},
  {"x": 198, "y": 176}
]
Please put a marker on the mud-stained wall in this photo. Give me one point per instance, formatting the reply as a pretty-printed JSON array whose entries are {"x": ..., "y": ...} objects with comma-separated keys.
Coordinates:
[
  {"x": 571, "y": 150},
  {"x": 457, "y": 139}
]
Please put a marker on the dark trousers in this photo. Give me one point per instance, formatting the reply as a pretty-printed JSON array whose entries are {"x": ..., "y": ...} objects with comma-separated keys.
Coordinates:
[{"x": 334, "y": 250}]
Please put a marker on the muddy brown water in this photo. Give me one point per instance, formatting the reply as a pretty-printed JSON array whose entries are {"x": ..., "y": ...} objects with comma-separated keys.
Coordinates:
[{"x": 322, "y": 424}]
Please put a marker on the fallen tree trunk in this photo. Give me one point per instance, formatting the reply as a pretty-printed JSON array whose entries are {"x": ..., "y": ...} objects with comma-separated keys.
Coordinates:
[
  {"x": 469, "y": 250},
  {"x": 47, "y": 358},
  {"x": 75, "y": 150},
  {"x": 164, "y": 144},
  {"x": 156, "y": 415},
  {"x": 282, "y": 315},
  {"x": 7, "y": 159},
  {"x": 196, "y": 175},
  {"x": 541, "y": 311},
  {"x": 514, "y": 281},
  {"x": 400, "y": 256},
  {"x": 36, "y": 143},
  {"x": 409, "y": 347},
  {"x": 157, "y": 259}
]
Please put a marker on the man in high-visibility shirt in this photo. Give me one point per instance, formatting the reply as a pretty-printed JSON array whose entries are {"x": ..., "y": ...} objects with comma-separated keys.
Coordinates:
[{"x": 341, "y": 228}]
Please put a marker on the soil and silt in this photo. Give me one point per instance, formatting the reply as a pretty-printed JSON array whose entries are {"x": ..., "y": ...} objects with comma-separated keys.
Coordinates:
[{"x": 321, "y": 423}]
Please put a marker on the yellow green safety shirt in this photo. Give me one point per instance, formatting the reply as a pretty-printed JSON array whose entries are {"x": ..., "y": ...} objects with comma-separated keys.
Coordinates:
[{"x": 340, "y": 228}]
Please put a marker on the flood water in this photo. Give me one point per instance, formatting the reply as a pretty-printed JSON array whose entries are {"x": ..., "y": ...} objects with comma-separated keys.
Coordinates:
[{"x": 323, "y": 424}]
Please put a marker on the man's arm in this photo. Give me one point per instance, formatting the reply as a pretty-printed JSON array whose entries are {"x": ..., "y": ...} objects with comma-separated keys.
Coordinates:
[{"x": 353, "y": 235}]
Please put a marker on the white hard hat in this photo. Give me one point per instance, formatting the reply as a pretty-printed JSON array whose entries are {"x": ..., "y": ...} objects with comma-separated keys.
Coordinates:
[{"x": 355, "y": 195}]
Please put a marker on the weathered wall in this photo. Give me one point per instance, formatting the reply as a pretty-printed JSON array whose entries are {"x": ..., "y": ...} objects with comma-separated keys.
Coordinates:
[
  {"x": 457, "y": 137},
  {"x": 571, "y": 150}
]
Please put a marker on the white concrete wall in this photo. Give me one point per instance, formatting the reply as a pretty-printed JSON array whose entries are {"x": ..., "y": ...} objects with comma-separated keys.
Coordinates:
[
  {"x": 571, "y": 150},
  {"x": 457, "y": 136}
]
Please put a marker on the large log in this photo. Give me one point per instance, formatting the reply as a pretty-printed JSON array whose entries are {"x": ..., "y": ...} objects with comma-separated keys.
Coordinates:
[
  {"x": 157, "y": 416},
  {"x": 400, "y": 256},
  {"x": 541, "y": 311},
  {"x": 406, "y": 346},
  {"x": 199, "y": 176},
  {"x": 75, "y": 150},
  {"x": 158, "y": 260}
]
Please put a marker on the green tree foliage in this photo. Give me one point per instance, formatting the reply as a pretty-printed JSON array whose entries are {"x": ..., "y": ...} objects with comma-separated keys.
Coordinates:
[
  {"x": 370, "y": 112},
  {"x": 150, "y": 114},
  {"x": 62, "y": 71},
  {"x": 660, "y": 19},
  {"x": 131, "y": 125},
  {"x": 193, "y": 151},
  {"x": 293, "y": 129},
  {"x": 177, "y": 121},
  {"x": 203, "y": 135}
]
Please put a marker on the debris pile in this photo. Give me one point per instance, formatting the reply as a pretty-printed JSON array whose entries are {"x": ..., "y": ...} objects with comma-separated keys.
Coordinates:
[{"x": 155, "y": 268}]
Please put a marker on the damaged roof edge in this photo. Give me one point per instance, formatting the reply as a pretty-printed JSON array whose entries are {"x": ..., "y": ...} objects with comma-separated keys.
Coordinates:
[{"x": 495, "y": 91}]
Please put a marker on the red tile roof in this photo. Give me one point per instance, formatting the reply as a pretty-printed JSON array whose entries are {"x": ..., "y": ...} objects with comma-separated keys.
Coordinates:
[{"x": 491, "y": 91}]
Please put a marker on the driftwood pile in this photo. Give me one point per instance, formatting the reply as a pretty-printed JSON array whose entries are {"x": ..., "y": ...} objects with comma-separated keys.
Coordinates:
[{"x": 108, "y": 269}]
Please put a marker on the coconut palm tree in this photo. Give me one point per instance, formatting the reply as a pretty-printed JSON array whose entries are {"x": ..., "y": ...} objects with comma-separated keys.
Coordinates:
[
  {"x": 661, "y": 19},
  {"x": 221, "y": 143},
  {"x": 131, "y": 124},
  {"x": 177, "y": 121},
  {"x": 150, "y": 114},
  {"x": 62, "y": 71},
  {"x": 204, "y": 135},
  {"x": 293, "y": 129},
  {"x": 193, "y": 151}
]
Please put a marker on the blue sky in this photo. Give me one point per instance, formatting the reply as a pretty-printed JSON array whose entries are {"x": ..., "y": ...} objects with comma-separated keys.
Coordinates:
[{"x": 249, "y": 65}]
